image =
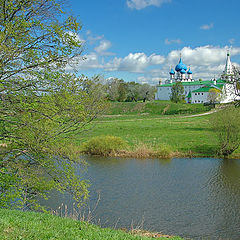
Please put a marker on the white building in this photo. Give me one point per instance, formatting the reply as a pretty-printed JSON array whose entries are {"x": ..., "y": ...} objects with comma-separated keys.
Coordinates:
[{"x": 197, "y": 91}]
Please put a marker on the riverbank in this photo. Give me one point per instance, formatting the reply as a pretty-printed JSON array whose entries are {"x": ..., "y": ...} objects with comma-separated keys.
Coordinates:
[
  {"x": 145, "y": 132},
  {"x": 31, "y": 225}
]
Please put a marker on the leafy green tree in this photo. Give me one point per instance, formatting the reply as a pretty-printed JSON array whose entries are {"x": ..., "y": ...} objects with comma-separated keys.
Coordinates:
[
  {"x": 116, "y": 90},
  {"x": 146, "y": 92},
  {"x": 235, "y": 82},
  {"x": 177, "y": 93},
  {"x": 225, "y": 124},
  {"x": 214, "y": 96},
  {"x": 41, "y": 104},
  {"x": 122, "y": 91},
  {"x": 133, "y": 92}
]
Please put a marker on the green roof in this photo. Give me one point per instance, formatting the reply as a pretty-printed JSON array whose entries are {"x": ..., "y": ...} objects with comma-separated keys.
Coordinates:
[
  {"x": 205, "y": 89},
  {"x": 189, "y": 94},
  {"x": 203, "y": 83}
]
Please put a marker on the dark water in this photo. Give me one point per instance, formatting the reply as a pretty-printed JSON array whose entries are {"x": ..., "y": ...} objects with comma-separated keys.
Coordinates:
[{"x": 193, "y": 198}]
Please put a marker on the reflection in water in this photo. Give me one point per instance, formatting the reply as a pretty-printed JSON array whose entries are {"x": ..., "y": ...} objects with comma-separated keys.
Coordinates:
[
  {"x": 225, "y": 189},
  {"x": 195, "y": 198}
]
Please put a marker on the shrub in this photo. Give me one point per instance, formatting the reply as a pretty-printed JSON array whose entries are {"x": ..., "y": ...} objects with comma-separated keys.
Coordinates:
[
  {"x": 227, "y": 127},
  {"x": 104, "y": 145},
  {"x": 142, "y": 151},
  {"x": 163, "y": 151}
]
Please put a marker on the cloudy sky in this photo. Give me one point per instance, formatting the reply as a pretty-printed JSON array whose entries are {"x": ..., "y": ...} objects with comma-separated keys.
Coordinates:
[{"x": 140, "y": 40}]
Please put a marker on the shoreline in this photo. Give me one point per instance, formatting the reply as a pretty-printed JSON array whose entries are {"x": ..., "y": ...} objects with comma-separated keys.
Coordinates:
[
  {"x": 155, "y": 155},
  {"x": 16, "y": 224}
]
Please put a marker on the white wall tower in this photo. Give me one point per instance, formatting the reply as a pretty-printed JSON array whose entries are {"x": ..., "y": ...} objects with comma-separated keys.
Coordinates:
[{"x": 228, "y": 71}]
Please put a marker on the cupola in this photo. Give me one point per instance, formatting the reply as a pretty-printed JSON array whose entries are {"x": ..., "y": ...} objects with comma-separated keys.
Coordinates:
[
  {"x": 172, "y": 72},
  {"x": 180, "y": 66}
]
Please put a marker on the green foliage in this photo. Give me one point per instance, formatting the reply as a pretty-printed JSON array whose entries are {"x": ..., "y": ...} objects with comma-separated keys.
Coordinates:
[
  {"x": 118, "y": 90},
  {"x": 31, "y": 225},
  {"x": 226, "y": 125},
  {"x": 214, "y": 96},
  {"x": 9, "y": 184},
  {"x": 147, "y": 92},
  {"x": 104, "y": 145},
  {"x": 177, "y": 93},
  {"x": 155, "y": 108},
  {"x": 163, "y": 151},
  {"x": 41, "y": 104},
  {"x": 235, "y": 81},
  {"x": 133, "y": 92}
]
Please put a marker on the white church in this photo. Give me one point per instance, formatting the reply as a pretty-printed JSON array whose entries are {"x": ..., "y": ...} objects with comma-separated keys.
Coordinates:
[{"x": 197, "y": 91}]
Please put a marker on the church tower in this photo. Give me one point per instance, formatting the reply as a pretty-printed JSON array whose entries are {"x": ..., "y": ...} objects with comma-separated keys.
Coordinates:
[{"x": 228, "y": 71}]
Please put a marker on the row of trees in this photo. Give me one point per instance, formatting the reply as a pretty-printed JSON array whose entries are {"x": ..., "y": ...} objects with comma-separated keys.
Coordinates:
[{"x": 118, "y": 90}]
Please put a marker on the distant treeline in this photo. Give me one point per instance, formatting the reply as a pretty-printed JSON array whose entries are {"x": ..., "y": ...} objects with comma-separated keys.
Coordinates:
[{"x": 118, "y": 90}]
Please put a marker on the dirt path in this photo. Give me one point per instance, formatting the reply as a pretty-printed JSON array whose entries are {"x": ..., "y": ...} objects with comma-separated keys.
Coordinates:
[
  {"x": 201, "y": 114},
  {"x": 156, "y": 118}
]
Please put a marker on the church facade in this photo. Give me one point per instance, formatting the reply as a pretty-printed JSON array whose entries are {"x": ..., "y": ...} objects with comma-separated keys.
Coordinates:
[{"x": 198, "y": 91}]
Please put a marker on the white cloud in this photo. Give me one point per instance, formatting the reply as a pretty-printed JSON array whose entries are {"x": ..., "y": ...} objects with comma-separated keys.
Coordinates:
[
  {"x": 87, "y": 61},
  {"x": 148, "y": 79},
  {"x": 102, "y": 48},
  {"x": 207, "y": 26},
  {"x": 92, "y": 39},
  {"x": 134, "y": 62},
  {"x": 140, "y": 4},
  {"x": 206, "y": 62},
  {"x": 177, "y": 41},
  {"x": 204, "y": 55}
]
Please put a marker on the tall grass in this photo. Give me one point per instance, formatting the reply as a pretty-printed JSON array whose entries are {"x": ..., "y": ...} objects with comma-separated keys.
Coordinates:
[
  {"x": 104, "y": 145},
  {"x": 117, "y": 147},
  {"x": 35, "y": 226}
]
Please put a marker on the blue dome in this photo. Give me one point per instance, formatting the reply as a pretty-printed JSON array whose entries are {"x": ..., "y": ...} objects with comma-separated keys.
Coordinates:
[
  {"x": 183, "y": 71},
  {"x": 180, "y": 66},
  {"x": 172, "y": 72},
  {"x": 189, "y": 71}
]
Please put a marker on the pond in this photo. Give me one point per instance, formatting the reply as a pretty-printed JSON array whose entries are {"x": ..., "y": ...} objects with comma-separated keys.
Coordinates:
[{"x": 195, "y": 198}]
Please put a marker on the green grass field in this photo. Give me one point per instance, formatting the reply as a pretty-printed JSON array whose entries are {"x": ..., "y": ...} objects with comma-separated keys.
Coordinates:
[
  {"x": 154, "y": 108},
  {"x": 181, "y": 132},
  {"x": 17, "y": 225}
]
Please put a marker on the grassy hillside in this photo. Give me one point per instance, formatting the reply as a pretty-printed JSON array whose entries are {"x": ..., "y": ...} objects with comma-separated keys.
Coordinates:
[
  {"x": 154, "y": 108},
  {"x": 39, "y": 226}
]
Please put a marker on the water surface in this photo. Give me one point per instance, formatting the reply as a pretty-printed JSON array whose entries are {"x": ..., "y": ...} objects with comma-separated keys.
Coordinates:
[{"x": 194, "y": 198}]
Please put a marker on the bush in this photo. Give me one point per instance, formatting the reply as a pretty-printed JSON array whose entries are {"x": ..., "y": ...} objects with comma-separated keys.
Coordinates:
[
  {"x": 227, "y": 127},
  {"x": 104, "y": 145},
  {"x": 164, "y": 151}
]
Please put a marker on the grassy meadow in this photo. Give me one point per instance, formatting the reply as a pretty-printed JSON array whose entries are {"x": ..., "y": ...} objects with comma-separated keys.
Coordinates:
[
  {"x": 153, "y": 124},
  {"x": 154, "y": 108}
]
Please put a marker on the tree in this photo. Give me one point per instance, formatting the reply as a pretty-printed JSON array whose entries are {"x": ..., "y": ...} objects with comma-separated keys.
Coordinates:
[
  {"x": 133, "y": 91},
  {"x": 225, "y": 124},
  {"x": 122, "y": 91},
  {"x": 41, "y": 104},
  {"x": 214, "y": 96},
  {"x": 177, "y": 94},
  {"x": 146, "y": 92},
  {"x": 235, "y": 82},
  {"x": 116, "y": 89}
]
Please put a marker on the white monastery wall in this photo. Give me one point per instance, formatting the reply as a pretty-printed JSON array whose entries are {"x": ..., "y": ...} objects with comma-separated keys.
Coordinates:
[{"x": 199, "y": 97}]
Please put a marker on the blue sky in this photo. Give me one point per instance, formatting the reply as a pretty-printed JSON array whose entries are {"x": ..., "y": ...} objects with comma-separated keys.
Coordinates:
[{"x": 139, "y": 40}]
